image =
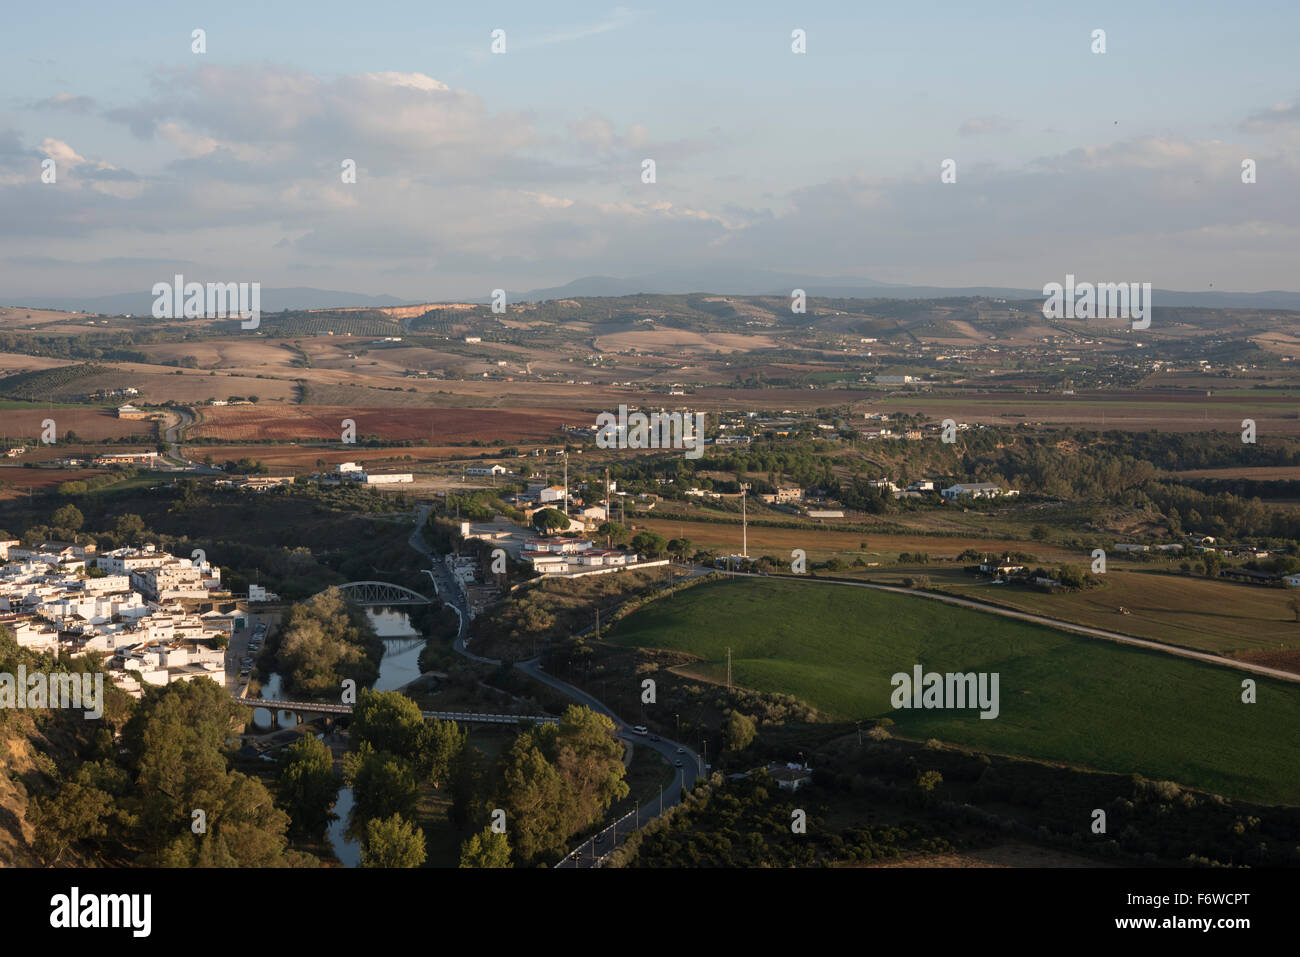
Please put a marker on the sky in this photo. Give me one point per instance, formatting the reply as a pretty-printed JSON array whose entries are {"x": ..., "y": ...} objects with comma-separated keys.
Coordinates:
[{"x": 478, "y": 170}]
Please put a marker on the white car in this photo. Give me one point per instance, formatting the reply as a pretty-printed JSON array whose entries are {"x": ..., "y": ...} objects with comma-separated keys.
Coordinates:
[{"x": 641, "y": 729}]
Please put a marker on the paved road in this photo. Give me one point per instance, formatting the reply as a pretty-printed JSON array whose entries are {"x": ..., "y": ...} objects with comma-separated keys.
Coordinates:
[
  {"x": 590, "y": 852},
  {"x": 180, "y": 418}
]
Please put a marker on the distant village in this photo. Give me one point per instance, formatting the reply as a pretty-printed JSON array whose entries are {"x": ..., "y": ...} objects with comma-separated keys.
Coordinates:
[{"x": 157, "y": 617}]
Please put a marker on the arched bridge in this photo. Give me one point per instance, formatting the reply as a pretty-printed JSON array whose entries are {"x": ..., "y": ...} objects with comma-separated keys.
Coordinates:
[
  {"x": 302, "y": 708},
  {"x": 381, "y": 593}
]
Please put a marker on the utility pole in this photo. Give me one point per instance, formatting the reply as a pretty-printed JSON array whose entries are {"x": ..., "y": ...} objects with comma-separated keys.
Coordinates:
[
  {"x": 566, "y": 483},
  {"x": 744, "y": 527},
  {"x": 728, "y": 669},
  {"x": 608, "y": 517}
]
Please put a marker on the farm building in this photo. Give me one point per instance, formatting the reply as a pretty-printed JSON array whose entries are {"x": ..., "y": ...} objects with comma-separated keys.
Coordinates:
[{"x": 976, "y": 490}]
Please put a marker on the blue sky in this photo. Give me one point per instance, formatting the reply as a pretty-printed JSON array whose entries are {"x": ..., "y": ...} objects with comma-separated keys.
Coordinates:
[{"x": 522, "y": 170}]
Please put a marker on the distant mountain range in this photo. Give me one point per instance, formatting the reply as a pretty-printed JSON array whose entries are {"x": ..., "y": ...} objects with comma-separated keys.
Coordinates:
[
  {"x": 760, "y": 283},
  {"x": 273, "y": 300},
  {"x": 733, "y": 282}
]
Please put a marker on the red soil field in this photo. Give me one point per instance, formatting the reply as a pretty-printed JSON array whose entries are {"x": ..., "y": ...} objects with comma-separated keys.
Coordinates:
[
  {"x": 305, "y": 457},
  {"x": 93, "y": 424},
  {"x": 15, "y": 481},
  {"x": 323, "y": 422}
]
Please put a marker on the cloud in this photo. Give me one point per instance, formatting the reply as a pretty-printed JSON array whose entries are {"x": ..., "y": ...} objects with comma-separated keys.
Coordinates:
[
  {"x": 245, "y": 179},
  {"x": 61, "y": 153},
  {"x": 66, "y": 102},
  {"x": 618, "y": 18},
  {"x": 984, "y": 125}
]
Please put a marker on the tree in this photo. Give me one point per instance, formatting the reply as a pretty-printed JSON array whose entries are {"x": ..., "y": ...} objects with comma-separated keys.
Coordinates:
[
  {"x": 485, "y": 849},
  {"x": 68, "y": 517},
  {"x": 1294, "y": 605},
  {"x": 308, "y": 785},
  {"x": 176, "y": 744},
  {"x": 557, "y": 780},
  {"x": 927, "y": 783},
  {"x": 650, "y": 544},
  {"x": 681, "y": 548},
  {"x": 1212, "y": 562},
  {"x": 532, "y": 797},
  {"x": 392, "y": 842},
  {"x": 550, "y": 519},
  {"x": 77, "y": 812},
  {"x": 382, "y": 784},
  {"x": 738, "y": 731},
  {"x": 129, "y": 528},
  {"x": 1038, "y": 533},
  {"x": 616, "y": 533},
  {"x": 390, "y": 722},
  {"x": 444, "y": 746}
]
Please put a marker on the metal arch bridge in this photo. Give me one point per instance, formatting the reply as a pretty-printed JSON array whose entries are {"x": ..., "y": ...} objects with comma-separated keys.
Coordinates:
[
  {"x": 381, "y": 593},
  {"x": 460, "y": 717}
]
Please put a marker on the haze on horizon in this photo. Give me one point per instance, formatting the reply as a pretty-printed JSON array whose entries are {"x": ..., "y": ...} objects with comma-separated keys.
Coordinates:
[{"x": 523, "y": 170}]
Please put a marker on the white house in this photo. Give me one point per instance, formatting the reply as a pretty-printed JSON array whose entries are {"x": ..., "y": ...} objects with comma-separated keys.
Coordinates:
[
  {"x": 552, "y": 493},
  {"x": 976, "y": 490}
]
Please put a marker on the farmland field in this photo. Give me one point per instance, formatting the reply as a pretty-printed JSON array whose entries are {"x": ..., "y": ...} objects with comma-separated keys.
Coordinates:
[
  {"x": 1190, "y": 611},
  {"x": 306, "y": 456},
  {"x": 15, "y": 481},
  {"x": 1139, "y": 412},
  {"x": 821, "y": 543},
  {"x": 321, "y": 422},
  {"x": 93, "y": 423},
  {"x": 1063, "y": 697}
]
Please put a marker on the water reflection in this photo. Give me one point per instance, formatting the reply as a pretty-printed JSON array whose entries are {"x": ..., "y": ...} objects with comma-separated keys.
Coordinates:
[{"x": 399, "y": 666}]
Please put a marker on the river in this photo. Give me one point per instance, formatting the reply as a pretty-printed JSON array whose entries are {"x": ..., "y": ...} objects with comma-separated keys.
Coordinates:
[{"x": 398, "y": 667}]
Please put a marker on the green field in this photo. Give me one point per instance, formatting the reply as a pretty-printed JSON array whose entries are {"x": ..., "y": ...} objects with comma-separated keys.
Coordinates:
[{"x": 1063, "y": 697}]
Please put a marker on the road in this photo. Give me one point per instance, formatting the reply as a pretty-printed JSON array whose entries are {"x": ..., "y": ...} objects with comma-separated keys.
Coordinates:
[
  {"x": 180, "y": 418},
  {"x": 590, "y": 852}
]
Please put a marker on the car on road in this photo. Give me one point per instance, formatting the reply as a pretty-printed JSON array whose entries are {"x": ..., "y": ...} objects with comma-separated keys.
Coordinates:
[
  {"x": 678, "y": 762},
  {"x": 641, "y": 729},
  {"x": 681, "y": 750},
  {"x": 654, "y": 737}
]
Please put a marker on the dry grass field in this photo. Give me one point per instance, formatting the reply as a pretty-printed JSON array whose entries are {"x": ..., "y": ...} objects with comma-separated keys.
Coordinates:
[
  {"x": 675, "y": 340},
  {"x": 322, "y": 422},
  {"x": 1260, "y": 473},
  {"x": 1190, "y": 611},
  {"x": 823, "y": 543},
  {"x": 1273, "y": 415}
]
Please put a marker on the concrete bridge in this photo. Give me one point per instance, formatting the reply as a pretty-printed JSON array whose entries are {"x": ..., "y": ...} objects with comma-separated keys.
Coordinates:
[
  {"x": 381, "y": 593},
  {"x": 307, "y": 710}
]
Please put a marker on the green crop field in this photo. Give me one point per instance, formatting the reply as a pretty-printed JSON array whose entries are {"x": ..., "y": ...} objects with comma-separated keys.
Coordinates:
[{"x": 1063, "y": 697}]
